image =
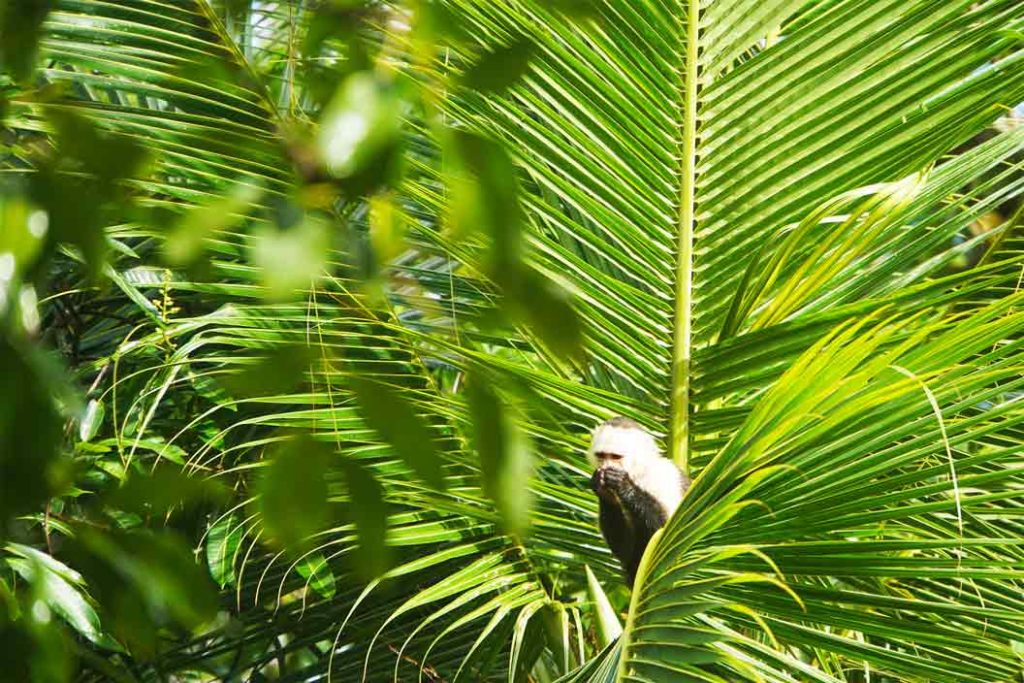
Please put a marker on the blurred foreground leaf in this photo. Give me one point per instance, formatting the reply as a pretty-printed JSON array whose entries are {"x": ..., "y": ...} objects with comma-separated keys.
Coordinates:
[
  {"x": 395, "y": 421},
  {"x": 506, "y": 457},
  {"x": 143, "y": 581},
  {"x": 293, "y": 493},
  {"x": 369, "y": 513},
  {"x": 486, "y": 200},
  {"x": 184, "y": 243},
  {"x": 485, "y": 196},
  {"x": 548, "y": 312},
  {"x": 20, "y": 24},
  {"x": 165, "y": 488},
  {"x": 106, "y": 156},
  {"x": 30, "y": 434},
  {"x": 34, "y": 648},
  {"x": 82, "y": 180},
  {"x": 23, "y": 228},
  {"x": 499, "y": 68},
  {"x": 290, "y": 260},
  {"x": 280, "y": 370},
  {"x": 359, "y": 136},
  {"x": 388, "y": 224}
]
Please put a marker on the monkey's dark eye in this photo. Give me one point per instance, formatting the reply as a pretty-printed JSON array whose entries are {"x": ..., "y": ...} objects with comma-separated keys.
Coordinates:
[{"x": 608, "y": 456}]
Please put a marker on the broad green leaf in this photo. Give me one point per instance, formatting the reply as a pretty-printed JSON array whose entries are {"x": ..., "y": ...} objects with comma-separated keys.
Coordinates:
[
  {"x": 315, "y": 569},
  {"x": 223, "y": 541},
  {"x": 91, "y": 420},
  {"x": 62, "y": 589}
]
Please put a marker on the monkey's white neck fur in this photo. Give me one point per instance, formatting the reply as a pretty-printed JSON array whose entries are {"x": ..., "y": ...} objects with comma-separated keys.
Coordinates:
[{"x": 642, "y": 461}]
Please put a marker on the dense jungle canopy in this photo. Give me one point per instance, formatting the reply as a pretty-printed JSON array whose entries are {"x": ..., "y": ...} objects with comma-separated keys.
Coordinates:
[{"x": 307, "y": 309}]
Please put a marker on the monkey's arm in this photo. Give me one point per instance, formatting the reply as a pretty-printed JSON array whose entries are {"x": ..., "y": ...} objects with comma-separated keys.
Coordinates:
[
  {"x": 633, "y": 516},
  {"x": 647, "y": 515}
]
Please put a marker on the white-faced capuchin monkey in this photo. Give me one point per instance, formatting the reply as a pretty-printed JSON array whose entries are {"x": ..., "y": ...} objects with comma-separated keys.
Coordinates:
[{"x": 638, "y": 488}]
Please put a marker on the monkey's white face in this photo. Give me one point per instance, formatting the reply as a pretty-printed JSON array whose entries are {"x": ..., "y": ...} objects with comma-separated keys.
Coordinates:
[
  {"x": 631, "y": 449},
  {"x": 610, "y": 460},
  {"x": 623, "y": 447}
]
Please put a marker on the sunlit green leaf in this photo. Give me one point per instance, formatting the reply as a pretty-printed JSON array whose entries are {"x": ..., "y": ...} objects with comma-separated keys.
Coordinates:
[
  {"x": 91, "y": 420},
  {"x": 609, "y": 628},
  {"x": 321, "y": 579},
  {"x": 62, "y": 589}
]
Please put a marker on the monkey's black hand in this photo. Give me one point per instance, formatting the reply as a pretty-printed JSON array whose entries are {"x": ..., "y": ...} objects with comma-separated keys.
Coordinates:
[{"x": 609, "y": 482}]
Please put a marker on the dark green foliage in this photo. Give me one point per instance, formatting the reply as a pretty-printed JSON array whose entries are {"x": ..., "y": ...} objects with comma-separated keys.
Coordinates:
[
  {"x": 144, "y": 582},
  {"x": 30, "y": 433},
  {"x": 21, "y": 22},
  {"x": 306, "y": 310}
]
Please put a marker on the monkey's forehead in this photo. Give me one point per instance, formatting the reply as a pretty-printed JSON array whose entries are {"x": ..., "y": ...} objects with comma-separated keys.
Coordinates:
[{"x": 623, "y": 440}]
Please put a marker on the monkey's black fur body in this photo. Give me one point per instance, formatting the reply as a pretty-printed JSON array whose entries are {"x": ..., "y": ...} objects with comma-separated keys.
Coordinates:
[{"x": 629, "y": 516}]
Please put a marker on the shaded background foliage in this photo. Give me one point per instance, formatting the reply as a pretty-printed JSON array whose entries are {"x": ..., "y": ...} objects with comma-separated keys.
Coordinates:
[{"x": 292, "y": 383}]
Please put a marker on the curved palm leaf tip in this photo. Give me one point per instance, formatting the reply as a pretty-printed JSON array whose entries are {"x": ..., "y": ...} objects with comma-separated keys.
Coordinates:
[{"x": 693, "y": 174}]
